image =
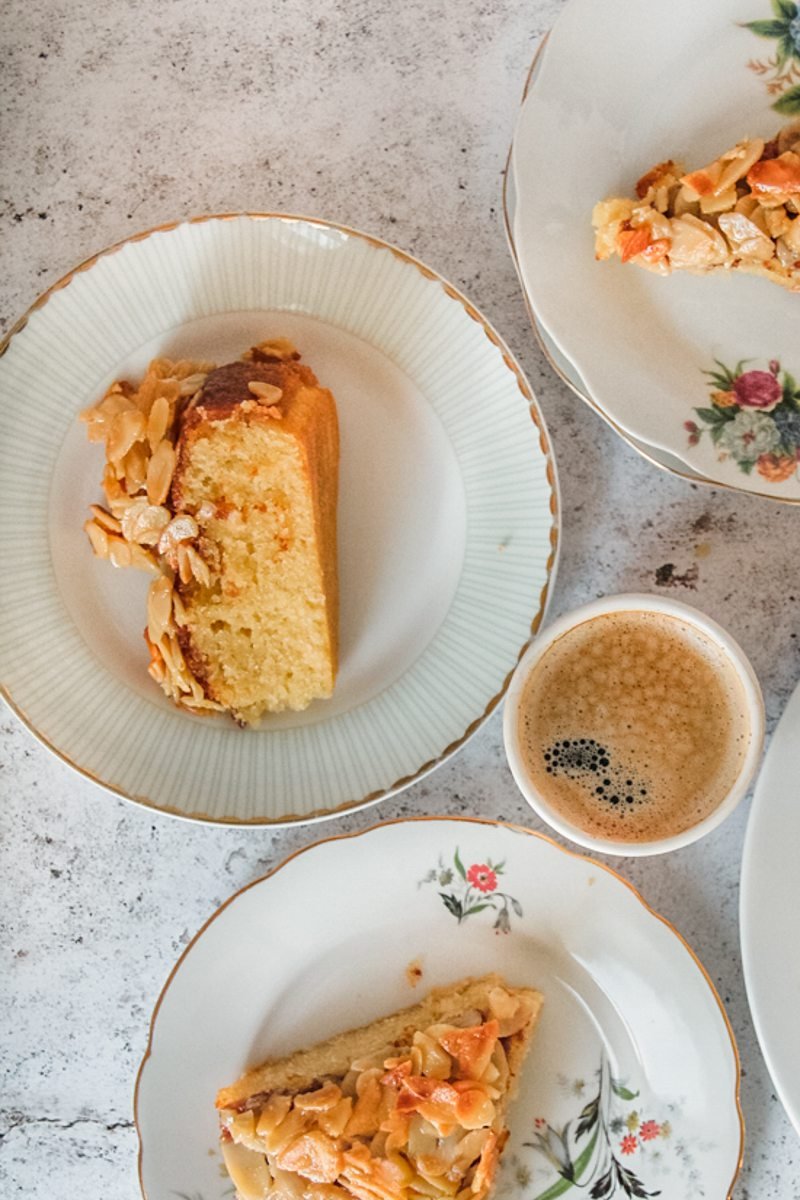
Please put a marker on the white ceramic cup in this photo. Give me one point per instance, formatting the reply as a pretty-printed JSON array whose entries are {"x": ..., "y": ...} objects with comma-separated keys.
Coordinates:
[{"x": 634, "y": 603}]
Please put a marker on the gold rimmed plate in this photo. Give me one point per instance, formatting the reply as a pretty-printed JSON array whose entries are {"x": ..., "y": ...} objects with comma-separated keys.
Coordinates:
[
  {"x": 696, "y": 374},
  {"x": 633, "y": 1074},
  {"x": 448, "y": 516}
]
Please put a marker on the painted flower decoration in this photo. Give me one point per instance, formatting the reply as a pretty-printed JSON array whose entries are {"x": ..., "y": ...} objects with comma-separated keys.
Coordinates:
[
  {"x": 482, "y": 877},
  {"x": 649, "y": 1130},
  {"x": 749, "y": 435},
  {"x": 788, "y": 423},
  {"x": 783, "y": 71},
  {"x": 776, "y": 467},
  {"x": 753, "y": 418},
  {"x": 467, "y": 891},
  {"x": 757, "y": 389},
  {"x": 587, "y": 1152}
]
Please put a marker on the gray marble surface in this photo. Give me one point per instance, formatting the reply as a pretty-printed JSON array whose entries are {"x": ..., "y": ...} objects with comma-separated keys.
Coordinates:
[{"x": 393, "y": 118}]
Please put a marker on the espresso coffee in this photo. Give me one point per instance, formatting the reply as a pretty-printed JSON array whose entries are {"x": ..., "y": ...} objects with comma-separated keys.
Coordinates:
[{"x": 633, "y": 726}]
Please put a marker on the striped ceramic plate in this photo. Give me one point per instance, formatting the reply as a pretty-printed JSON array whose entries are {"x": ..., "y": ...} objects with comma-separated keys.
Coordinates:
[{"x": 448, "y": 516}]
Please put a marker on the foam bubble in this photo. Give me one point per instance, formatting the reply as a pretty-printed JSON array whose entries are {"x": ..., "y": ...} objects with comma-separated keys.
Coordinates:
[{"x": 634, "y": 726}]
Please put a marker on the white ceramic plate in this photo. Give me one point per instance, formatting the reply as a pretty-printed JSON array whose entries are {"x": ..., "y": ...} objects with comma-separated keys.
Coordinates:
[
  {"x": 323, "y": 944},
  {"x": 448, "y": 516},
  {"x": 770, "y": 901},
  {"x": 654, "y": 454},
  {"x": 619, "y": 87},
  {"x": 567, "y": 371}
]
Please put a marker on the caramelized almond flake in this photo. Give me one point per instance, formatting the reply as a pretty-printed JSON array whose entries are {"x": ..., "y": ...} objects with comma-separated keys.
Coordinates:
[
  {"x": 158, "y": 421},
  {"x": 267, "y": 393},
  {"x": 98, "y": 537},
  {"x": 472, "y": 1048},
  {"x": 104, "y": 519},
  {"x": 160, "y": 470}
]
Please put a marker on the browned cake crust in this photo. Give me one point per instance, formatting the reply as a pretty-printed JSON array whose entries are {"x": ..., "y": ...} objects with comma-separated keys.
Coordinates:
[
  {"x": 374, "y": 1112},
  {"x": 222, "y": 484},
  {"x": 309, "y": 413},
  {"x": 334, "y": 1056}
]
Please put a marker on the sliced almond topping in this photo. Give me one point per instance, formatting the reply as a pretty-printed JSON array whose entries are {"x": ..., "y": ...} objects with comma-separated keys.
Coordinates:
[
  {"x": 471, "y": 1048},
  {"x": 184, "y": 564},
  {"x": 278, "y": 1136},
  {"x": 278, "y": 349},
  {"x": 98, "y": 537},
  {"x": 134, "y": 468},
  {"x": 198, "y": 566},
  {"x": 366, "y": 1116},
  {"x": 176, "y": 664},
  {"x": 206, "y": 511},
  {"x": 487, "y": 1165},
  {"x": 248, "y": 1170},
  {"x": 334, "y": 1120},
  {"x": 321, "y": 1099},
  {"x": 104, "y": 519},
  {"x": 312, "y": 1155},
  {"x": 159, "y": 608},
  {"x": 274, "y": 1111},
  {"x": 118, "y": 399},
  {"x": 776, "y": 176},
  {"x": 474, "y": 1109},
  {"x": 126, "y": 428},
  {"x": 190, "y": 565},
  {"x": 179, "y": 610},
  {"x": 160, "y": 470},
  {"x": 265, "y": 392},
  {"x": 745, "y": 237},
  {"x": 157, "y": 668},
  {"x": 144, "y": 522},
  {"x": 143, "y": 560},
  {"x": 777, "y": 221},
  {"x": 116, "y": 496},
  {"x": 98, "y": 424},
  {"x": 792, "y": 236},
  {"x": 158, "y": 421},
  {"x": 434, "y": 1061},
  {"x": 192, "y": 384},
  {"x": 696, "y": 244},
  {"x": 119, "y": 551},
  {"x": 182, "y": 528}
]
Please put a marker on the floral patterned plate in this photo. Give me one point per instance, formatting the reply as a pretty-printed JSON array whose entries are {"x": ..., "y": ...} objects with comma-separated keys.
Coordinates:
[
  {"x": 705, "y": 370},
  {"x": 630, "y": 1090},
  {"x": 562, "y": 366}
]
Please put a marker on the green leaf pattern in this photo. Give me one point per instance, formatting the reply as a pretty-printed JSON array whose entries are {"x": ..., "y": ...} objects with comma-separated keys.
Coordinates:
[
  {"x": 781, "y": 72},
  {"x": 604, "y": 1151},
  {"x": 473, "y": 889},
  {"x": 789, "y": 103}
]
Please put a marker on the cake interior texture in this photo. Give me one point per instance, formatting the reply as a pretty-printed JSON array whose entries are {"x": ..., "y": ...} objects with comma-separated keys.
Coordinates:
[{"x": 262, "y": 634}]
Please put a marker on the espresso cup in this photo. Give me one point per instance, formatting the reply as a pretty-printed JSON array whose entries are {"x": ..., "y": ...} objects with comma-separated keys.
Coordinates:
[{"x": 634, "y": 725}]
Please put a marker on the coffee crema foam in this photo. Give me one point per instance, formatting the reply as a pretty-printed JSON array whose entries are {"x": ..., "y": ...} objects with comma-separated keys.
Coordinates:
[{"x": 633, "y": 726}]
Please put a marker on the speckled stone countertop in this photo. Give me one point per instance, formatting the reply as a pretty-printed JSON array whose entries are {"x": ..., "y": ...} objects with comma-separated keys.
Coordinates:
[{"x": 396, "y": 119}]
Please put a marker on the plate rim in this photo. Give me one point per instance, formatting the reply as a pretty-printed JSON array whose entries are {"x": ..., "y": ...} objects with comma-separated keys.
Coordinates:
[
  {"x": 550, "y": 470},
  {"x": 747, "y": 935},
  {"x": 486, "y": 821},
  {"x": 705, "y": 481}
]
